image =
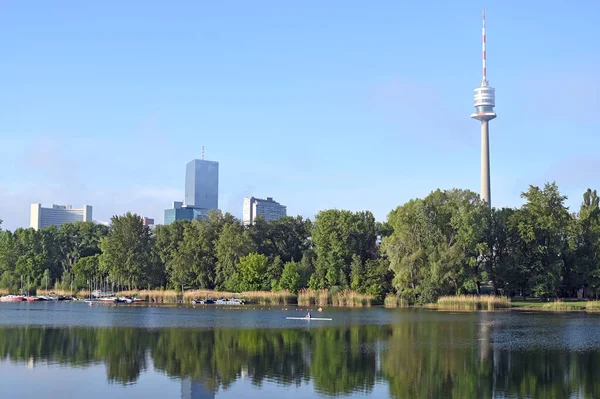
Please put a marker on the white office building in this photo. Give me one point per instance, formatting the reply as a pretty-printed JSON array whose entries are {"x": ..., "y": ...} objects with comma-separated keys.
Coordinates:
[
  {"x": 267, "y": 208},
  {"x": 57, "y": 215}
]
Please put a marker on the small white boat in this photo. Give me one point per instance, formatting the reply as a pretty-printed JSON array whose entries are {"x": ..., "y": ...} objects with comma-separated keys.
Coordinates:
[
  {"x": 309, "y": 318},
  {"x": 232, "y": 301}
]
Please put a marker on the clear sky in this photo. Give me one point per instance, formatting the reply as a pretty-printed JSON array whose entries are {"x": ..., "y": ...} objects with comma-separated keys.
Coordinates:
[{"x": 319, "y": 104}]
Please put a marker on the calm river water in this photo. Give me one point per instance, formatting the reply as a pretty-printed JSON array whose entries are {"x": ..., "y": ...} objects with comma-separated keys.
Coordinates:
[{"x": 68, "y": 350}]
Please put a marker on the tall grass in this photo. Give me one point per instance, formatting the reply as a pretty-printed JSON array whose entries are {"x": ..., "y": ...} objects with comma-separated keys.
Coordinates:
[
  {"x": 560, "y": 305},
  {"x": 473, "y": 302},
  {"x": 172, "y": 296},
  {"x": 593, "y": 305},
  {"x": 394, "y": 301},
  {"x": 61, "y": 292},
  {"x": 269, "y": 297},
  {"x": 349, "y": 298}
]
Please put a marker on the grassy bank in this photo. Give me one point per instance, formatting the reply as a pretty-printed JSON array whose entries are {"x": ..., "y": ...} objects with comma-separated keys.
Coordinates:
[
  {"x": 394, "y": 301},
  {"x": 593, "y": 306},
  {"x": 473, "y": 302},
  {"x": 347, "y": 298},
  {"x": 559, "y": 305}
]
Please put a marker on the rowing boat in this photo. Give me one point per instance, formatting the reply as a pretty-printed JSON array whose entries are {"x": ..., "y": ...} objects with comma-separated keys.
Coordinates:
[{"x": 308, "y": 318}]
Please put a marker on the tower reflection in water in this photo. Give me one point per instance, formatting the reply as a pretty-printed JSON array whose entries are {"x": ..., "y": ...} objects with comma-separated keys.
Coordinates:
[{"x": 195, "y": 389}]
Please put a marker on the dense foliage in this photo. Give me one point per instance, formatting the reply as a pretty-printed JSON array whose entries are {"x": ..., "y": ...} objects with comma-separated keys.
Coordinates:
[{"x": 446, "y": 243}]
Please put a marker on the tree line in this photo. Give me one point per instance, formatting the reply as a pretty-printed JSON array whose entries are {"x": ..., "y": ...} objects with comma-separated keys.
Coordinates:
[{"x": 447, "y": 243}]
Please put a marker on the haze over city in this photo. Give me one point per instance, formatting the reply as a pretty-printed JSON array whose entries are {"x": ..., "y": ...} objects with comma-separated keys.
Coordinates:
[{"x": 320, "y": 105}]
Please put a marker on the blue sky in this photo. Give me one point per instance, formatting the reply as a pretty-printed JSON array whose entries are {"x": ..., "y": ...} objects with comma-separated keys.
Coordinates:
[{"x": 337, "y": 104}]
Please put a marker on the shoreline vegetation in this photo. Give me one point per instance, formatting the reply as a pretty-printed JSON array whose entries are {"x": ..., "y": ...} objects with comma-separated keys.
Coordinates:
[
  {"x": 346, "y": 298},
  {"x": 448, "y": 250},
  {"x": 473, "y": 302}
]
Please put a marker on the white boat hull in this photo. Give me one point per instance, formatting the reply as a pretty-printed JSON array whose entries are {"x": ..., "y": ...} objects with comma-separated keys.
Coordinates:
[{"x": 307, "y": 318}]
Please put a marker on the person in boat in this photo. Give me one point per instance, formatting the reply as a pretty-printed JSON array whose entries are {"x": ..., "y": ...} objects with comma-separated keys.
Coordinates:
[{"x": 308, "y": 316}]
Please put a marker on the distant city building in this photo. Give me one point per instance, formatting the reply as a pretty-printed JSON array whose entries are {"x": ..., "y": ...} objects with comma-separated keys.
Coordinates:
[
  {"x": 267, "y": 208},
  {"x": 202, "y": 184},
  {"x": 57, "y": 215},
  {"x": 147, "y": 221},
  {"x": 201, "y": 192},
  {"x": 195, "y": 389},
  {"x": 180, "y": 212}
]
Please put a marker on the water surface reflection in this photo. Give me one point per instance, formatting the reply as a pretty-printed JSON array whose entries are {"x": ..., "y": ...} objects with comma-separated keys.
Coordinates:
[{"x": 482, "y": 359}]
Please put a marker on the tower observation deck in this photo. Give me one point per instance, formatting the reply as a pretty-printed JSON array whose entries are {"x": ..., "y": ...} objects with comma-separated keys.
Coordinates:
[{"x": 485, "y": 101}]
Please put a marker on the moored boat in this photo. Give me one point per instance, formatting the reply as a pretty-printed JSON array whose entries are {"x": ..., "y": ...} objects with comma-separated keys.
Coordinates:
[
  {"x": 232, "y": 301},
  {"x": 32, "y": 298},
  {"x": 208, "y": 301},
  {"x": 12, "y": 298}
]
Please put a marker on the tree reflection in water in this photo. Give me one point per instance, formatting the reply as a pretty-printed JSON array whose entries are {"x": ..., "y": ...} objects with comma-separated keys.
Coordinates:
[{"x": 412, "y": 359}]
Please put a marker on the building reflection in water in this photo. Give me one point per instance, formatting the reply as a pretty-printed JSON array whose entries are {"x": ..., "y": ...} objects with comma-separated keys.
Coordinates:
[{"x": 194, "y": 389}]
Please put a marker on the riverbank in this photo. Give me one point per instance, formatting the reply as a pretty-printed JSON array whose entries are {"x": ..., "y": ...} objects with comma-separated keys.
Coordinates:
[
  {"x": 305, "y": 297},
  {"x": 347, "y": 298},
  {"x": 559, "y": 305}
]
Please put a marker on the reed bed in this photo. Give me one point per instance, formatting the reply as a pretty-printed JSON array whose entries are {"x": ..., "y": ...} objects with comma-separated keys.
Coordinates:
[
  {"x": 473, "y": 302},
  {"x": 172, "y": 296},
  {"x": 60, "y": 292},
  {"x": 560, "y": 305},
  {"x": 347, "y": 298},
  {"x": 593, "y": 306},
  {"x": 394, "y": 301},
  {"x": 269, "y": 297}
]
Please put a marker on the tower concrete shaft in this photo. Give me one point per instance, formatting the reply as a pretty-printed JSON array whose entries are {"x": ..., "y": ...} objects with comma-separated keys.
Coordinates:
[{"x": 486, "y": 189}]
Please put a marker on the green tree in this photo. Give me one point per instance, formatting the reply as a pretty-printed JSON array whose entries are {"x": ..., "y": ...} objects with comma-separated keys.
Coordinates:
[
  {"x": 588, "y": 242},
  {"x": 290, "y": 277},
  {"x": 233, "y": 243},
  {"x": 78, "y": 240},
  {"x": 337, "y": 236},
  {"x": 86, "y": 269},
  {"x": 409, "y": 249},
  {"x": 500, "y": 263},
  {"x": 377, "y": 278},
  {"x": 167, "y": 240},
  {"x": 126, "y": 251},
  {"x": 542, "y": 224},
  {"x": 356, "y": 273},
  {"x": 252, "y": 271},
  {"x": 274, "y": 272},
  {"x": 437, "y": 245}
]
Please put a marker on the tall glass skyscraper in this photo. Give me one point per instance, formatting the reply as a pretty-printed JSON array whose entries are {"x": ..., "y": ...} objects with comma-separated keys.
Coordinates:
[{"x": 202, "y": 184}]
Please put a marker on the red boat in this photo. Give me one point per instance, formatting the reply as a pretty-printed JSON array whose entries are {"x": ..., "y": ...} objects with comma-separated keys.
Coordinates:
[
  {"x": 32, "y": 298},
  {"x": 12, "y": 298}
]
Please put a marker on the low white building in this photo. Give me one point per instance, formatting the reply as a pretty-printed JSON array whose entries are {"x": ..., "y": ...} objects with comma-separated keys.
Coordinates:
[
  {"x": 267, "y": 208},
  {"x": 57, "y": 215}
]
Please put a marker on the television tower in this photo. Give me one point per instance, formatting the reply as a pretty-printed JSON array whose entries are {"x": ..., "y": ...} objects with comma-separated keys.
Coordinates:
[{"x": 485, "y": 100}]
